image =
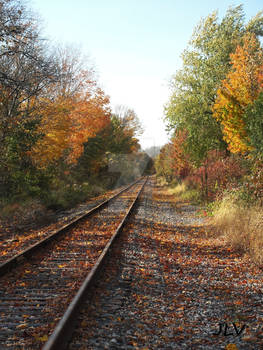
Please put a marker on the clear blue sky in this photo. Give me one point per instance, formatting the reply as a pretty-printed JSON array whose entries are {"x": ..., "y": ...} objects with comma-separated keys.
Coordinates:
[{"x": 134, "y": 44}]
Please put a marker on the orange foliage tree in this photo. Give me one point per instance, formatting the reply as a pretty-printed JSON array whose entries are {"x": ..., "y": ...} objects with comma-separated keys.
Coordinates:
[
  {"x": 240, "y": 88},
  {"x": 68, "y": 121},
  {"x": 181, "y": 163},
  {"x": 90, "y": 114}
]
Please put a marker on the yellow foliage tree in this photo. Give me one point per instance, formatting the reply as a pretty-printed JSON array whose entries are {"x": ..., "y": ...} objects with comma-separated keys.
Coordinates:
[
  {"x": 54, "y": 130},
  {"x": 240, "y": 88}
]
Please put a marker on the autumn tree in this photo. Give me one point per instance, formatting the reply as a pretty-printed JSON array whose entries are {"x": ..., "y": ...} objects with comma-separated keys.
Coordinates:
[
  {"x": 116, "y": 143},
  {"x": 164, "y": 161},
  {"x": 25, "y": 71},
  {"x": 206, "y": 62},
  {"x": 240, "y": 88},
  {"x": 124, "y": 130},
  {"x": 50, "y": 103},
  {"x": 180, "y": 159},
  {"x": 57, "y": 130},
  {"x": 25, "y": 68},
  {"x": 73, "y": 110}
]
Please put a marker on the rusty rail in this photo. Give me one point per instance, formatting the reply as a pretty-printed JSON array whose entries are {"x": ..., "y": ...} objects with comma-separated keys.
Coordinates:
[
  {"x": 20, "y": 257},
  {"x": 64, "y": 329}
]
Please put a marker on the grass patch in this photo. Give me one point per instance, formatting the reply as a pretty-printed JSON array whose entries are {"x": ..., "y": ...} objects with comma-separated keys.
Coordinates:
[
  {"x": 191, "y": 195},
  {"x": 23, "y": 209},
  {"x": 68, "y": 196},
  {"x": 161, "y": 181},
  {"x": 182, "y": 192},
  {"x": 241, "y": 226},
  {"x": 177, "y": 189}
]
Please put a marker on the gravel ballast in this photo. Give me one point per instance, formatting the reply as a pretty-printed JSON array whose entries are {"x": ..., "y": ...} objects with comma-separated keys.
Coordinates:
[{"x": 169, "y": 285}]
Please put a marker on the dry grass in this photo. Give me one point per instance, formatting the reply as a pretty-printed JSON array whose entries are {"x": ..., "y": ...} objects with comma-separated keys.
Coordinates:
[
  {"x": 181, "y": 192},
  {"x": 178, "y": 190},
  {"x": 160, "y": 181},
  {"x": 241, "y": 227}
]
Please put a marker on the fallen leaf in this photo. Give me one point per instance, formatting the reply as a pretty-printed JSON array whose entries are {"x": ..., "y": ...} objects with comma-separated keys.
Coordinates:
[
  {"x": 231, "y": 347},
  {"x": 43, "y": 338}
]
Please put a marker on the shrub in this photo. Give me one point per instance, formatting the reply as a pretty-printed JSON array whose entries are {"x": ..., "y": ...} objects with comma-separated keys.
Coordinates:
[
  {"x": 254, "y": 182},
  {"x": 218, "y": 173}
]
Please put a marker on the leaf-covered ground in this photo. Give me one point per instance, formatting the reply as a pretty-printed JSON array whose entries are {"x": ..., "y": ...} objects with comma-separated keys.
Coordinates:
[
  {"x": 19, "y": 234},
  {"x": 169, "y": 285},
  {"x": 35, "y": 295}
]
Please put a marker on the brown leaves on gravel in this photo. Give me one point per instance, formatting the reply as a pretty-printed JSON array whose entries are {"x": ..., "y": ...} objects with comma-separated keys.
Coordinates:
[
  {"x": 186, "y": 290},
  {"x": 206, "y": 284},
  {"x": 50, "y": 279}
]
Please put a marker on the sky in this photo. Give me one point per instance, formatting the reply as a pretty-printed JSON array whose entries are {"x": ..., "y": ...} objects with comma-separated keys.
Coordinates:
[{"x": 135, "y": 46}]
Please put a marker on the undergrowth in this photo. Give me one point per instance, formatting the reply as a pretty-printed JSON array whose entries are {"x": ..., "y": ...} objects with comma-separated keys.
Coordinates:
[
  {"x": 60, "y": 195},
  {"x": 240, "y": 224},
  {"x": 184, "y": 193},
  {"x": 24, "y": 207},
  {"x": 235, "y": 216}
]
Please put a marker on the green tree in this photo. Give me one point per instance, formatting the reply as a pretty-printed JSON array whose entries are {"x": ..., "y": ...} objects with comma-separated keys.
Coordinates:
[
  {"x": 163, "y": 162},
  {"x": 205, "y": 64},
  {"x": 253, "y": 118},
  {"x": 117, "y": 143},
  {"x": 124, "y": 131}
]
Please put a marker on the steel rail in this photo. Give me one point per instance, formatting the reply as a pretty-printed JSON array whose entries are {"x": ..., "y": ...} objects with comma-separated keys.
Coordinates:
[
  {"x": 28, "y": 252},
  {"x": 64, "y": 329}
]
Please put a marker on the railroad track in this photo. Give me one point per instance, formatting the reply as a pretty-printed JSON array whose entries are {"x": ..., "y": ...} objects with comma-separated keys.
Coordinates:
[
  {"x": 13, "y": 244},
  {"x": 25, "y": 252},
  {"x": 112, "y": 317},
  {"x": 39, "y": 284}
]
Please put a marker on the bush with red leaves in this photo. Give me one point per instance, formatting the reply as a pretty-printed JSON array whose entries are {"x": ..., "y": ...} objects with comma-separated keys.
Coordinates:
[{"x": 218, "y": 173}]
